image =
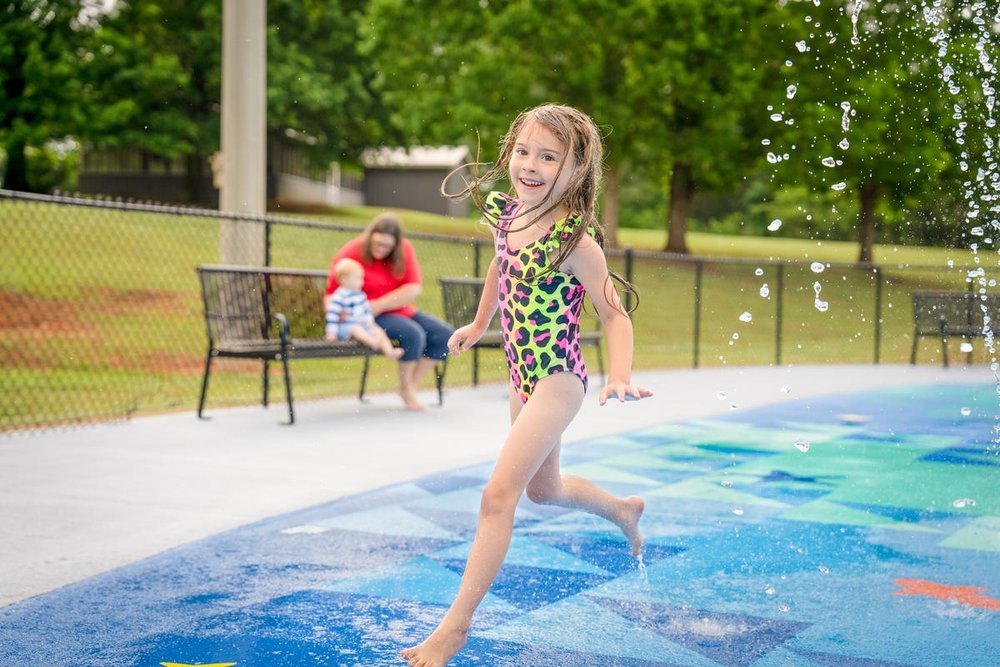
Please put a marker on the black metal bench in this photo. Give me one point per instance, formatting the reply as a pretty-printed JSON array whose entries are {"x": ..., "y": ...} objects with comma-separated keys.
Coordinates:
[
  {"x": 461, "y": 300},
  {"x": 944, "y": 314},
  {"x": 272, "y": 314}
]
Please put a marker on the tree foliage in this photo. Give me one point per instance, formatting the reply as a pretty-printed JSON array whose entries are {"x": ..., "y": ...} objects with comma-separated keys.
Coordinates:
[{"x": 40, "y": 92}]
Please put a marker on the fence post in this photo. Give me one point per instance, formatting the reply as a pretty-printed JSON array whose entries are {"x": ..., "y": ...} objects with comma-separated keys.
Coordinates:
[
  {"x": 779, "y": 288},
  {"x": 267, "y": 242},
  {"x": 629, "y": 259},
  {"x": 698, "y": 266},
  {"x": 878, "y": 313}
]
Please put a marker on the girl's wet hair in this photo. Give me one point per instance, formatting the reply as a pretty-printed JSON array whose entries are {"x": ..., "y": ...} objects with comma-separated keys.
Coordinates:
[{"x": 583, "y": 143}]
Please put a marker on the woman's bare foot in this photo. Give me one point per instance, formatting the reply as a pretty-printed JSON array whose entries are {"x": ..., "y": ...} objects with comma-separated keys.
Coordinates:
[
  {"x": 436, "y": 650},
  {"x": 411, "y": 401},
  {"x": 394, "y": 352},
  {"x": 628, "y": 521}
]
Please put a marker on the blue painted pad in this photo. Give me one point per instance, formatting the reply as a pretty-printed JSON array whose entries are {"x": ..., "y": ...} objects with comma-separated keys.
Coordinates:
[{"x": 758, "y": 555}]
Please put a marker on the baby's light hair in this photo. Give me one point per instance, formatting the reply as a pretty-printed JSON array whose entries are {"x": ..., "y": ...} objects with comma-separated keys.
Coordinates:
[{"x": 347, "y": 266}]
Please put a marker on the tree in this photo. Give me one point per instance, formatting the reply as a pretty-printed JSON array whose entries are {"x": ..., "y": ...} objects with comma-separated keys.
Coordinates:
[
  {"x": 40, "y": 43},
  {"x": 864, "y": 113},
  {"x": 670, "y": 81}
]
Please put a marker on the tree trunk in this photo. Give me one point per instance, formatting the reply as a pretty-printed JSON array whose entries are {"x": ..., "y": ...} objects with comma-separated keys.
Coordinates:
[
  {"x": 16, "y": 176},
  {"x": 609, "y": 208},
  {"x": 681, "y": 193},
  {"x": 866, "y": 220}
]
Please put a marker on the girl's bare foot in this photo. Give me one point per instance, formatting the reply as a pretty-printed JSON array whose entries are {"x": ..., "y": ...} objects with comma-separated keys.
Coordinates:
[
  {"x": 394, "y": 352},
  {"x": 628, "y": 521},
  {"x": 436, "y": 650}
]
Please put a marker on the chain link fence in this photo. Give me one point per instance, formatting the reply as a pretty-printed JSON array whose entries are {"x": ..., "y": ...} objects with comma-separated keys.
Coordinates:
[{"x": 101, "y": 316}]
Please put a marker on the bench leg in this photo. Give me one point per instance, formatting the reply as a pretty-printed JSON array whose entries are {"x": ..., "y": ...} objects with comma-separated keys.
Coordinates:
[
  {"x": 913, "y": 349},
  {"x": 265, "y": 382},
  {"x": 288, "y": 390},
  {"x": 364, "y": 379},
  {"x": 439, "y": 371},
  {"x": 204, "y": 382},
  {"x": 944, "y": 345},
  {"x": 475, "y": 366}
]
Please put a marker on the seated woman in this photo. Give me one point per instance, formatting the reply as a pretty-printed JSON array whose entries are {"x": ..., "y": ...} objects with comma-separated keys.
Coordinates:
[{"x": 392, "y": 283}]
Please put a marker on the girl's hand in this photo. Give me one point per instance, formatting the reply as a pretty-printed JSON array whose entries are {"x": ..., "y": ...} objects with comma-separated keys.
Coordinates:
[
  {"x": 623, "y": 392},
  {"x": 464, "y": 338}
]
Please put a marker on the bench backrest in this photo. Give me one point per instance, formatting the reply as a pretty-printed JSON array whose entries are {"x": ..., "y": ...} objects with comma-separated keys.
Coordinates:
[
  {"x": 461, "y": 301},
  {"x": 239, "y": 301},
  {"x": 958, "y": 313}
]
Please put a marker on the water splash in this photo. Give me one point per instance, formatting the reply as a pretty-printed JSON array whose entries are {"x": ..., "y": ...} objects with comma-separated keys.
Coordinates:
[
  {"x": 774, "y": 226},
  {"x": 982, "y": 193},
  {"x": 643, "y": 572}
]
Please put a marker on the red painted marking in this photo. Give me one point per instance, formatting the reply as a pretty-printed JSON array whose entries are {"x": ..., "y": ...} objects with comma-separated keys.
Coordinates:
[{"x": 970, "y": 595}]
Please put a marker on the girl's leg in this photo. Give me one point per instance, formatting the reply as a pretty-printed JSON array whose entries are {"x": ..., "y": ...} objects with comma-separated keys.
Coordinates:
[
  {"x": 550, "y": 487},
  {"x": 535, "y": 432}
]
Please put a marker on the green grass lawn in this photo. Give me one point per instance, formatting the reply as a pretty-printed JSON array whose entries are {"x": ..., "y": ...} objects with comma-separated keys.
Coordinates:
[{"x": 100, "y": 312}]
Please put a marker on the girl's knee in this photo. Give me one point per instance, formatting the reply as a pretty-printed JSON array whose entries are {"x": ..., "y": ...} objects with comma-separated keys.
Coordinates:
[
  {"x": 498, "y": 498},
  {"x": 543, "y": 493}
]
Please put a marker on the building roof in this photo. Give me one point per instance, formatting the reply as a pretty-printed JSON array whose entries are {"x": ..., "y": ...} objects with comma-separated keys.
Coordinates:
[{"x": 416, "y": 157}]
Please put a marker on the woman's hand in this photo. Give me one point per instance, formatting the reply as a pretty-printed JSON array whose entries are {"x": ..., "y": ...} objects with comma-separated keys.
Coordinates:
[
  {"x": 464, "y": 338},
  {"x": 623, "y": 391}
]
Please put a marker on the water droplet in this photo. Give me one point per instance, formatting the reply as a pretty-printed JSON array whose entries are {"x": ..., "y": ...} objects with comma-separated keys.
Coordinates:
[
  {"x": 738, "y": 511},
  {"x": 829, "y": 162},
  {"x": 959, "y": 503},
  {"x": 802, "y": 446},
  {"x": 821, "y": 306},
  {"x": 777, "y": 117},
  {"x": 769, "y": 590},
  {"x": 965, "y": 347},
  {"x": 785, "y": 389},
  {"x": 845, "y": 121},
  {"x": 802, "y": 46},
  {"x": 824, "y": 569},
  {"x": 772, "y": 158},
  {"x": 758, "y": 271},
  {"x": 817, "y": 267},
  {"x": 746, "y": 317},
  {"x": 765, "y": 142},
  {"x": 765, "y": 291},
  {"x": 844, "y": 143},
  {"x": 966, "y": 412},
  {"x": 721, "y": 395},
  {"x": 790, "y": 91},
  {"x": 726, "y": 483},
  {"x": 838, "y": 186},
  {"x": 976, "y": 231},
  {"x": 782, "y": 608},
  {"x": 951, "y": 263},
  {"x": 774, "y": 226}
]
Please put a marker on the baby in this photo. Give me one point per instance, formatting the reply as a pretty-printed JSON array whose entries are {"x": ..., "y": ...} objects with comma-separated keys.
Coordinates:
[{"x": 348, "y": 314}]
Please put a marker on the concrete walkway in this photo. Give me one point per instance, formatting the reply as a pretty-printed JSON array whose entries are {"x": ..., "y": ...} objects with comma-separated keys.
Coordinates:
[{"x": 78, "y": 502}]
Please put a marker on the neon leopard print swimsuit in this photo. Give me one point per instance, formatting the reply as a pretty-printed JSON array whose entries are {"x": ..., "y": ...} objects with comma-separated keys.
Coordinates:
[{"x": 539, "y": 307}]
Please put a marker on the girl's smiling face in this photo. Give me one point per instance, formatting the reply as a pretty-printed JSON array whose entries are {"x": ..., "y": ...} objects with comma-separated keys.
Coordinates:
[{"x": 534, "y": 165}]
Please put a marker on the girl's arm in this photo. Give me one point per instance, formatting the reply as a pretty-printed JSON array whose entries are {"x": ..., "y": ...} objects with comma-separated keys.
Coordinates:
[
  {"x": 467, "y": 336},
  {"x": 588, "y": 264}
]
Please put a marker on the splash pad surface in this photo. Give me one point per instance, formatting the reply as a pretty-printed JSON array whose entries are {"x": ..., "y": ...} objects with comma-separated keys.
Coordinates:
[{"x": 876, "y": 544}]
